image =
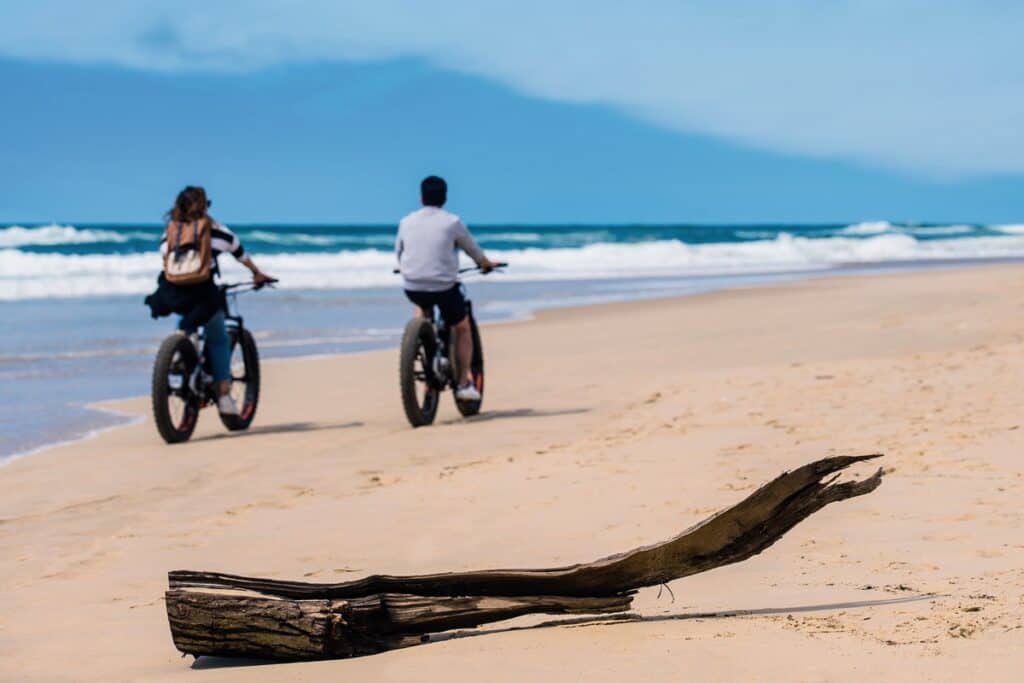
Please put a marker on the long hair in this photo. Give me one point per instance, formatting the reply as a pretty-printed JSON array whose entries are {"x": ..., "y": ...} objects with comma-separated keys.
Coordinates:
[{"x": 191, "y": 205}]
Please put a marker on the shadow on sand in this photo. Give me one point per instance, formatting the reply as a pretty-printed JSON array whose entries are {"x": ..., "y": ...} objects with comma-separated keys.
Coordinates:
[
  {"x": 613, "y": 620},
  {"x": 282, "y": 428},
  {"x": 488, "y": 415},
  {"x": 685, "y": 616}
]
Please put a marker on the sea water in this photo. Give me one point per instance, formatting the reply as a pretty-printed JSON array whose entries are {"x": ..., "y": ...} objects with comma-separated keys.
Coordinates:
[{"x": 75, "y": 330}]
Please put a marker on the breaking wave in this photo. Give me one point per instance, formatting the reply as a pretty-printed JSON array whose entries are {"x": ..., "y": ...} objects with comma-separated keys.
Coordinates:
[
  {"x": 29, "y": 275},
  {"x": 51, "y": 235}
]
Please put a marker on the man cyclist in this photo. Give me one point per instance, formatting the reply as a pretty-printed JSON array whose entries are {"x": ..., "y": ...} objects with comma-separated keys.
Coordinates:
[{"x": 427, "y": 249}]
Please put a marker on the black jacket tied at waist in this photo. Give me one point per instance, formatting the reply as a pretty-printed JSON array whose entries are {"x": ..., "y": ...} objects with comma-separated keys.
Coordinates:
[{"x": 195, "y": 303}]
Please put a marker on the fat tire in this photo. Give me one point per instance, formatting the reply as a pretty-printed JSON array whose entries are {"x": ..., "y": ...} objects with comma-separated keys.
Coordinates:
[
  {"x": 251, "y": 358},
  {"x": 160, "y": 392},
  {"x": 419, "y": 333}
]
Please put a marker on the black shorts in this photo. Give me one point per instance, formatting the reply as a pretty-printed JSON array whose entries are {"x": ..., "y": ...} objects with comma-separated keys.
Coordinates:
[{"x": 450, "y": 301}]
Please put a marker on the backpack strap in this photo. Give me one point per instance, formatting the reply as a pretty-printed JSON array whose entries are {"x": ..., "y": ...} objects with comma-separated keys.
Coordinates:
[{"x": 181, "y": 227}]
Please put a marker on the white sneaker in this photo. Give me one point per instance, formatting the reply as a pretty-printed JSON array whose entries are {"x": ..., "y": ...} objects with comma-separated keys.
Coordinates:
[
  {"x": 467, "y": 392},
  {"x": 226, "y": 405}
]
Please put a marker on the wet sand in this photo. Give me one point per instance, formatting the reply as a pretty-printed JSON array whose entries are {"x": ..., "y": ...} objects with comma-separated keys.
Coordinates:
[{"x": 605, "y": 427}]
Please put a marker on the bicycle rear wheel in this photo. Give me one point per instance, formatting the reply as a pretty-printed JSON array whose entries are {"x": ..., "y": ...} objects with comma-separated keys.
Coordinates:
[
  {"x": 420, "y": 390},
  {"x": 476, "y": 371},
  {"x": 245, "y": 379},
  {"x": 175, "y": 405}
]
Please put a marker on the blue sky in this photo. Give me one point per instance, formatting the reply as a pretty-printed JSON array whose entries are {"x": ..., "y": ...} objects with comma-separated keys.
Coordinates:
[{"x": 558, "y": 111}]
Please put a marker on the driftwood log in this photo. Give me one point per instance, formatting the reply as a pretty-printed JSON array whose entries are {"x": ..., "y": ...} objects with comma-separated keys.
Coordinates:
[{"x": 227, "y": 615}]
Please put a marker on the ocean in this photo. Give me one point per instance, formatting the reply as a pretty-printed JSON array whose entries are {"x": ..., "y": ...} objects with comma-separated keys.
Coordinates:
[{"x": 76, "y": 332}]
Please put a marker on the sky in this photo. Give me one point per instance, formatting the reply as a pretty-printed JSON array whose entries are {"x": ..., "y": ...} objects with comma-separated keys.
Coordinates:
[{"x": 320, "y": 111}]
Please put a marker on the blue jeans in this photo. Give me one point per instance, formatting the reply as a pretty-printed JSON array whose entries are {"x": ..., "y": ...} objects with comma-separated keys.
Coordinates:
[{"x": 218, "y": 347}]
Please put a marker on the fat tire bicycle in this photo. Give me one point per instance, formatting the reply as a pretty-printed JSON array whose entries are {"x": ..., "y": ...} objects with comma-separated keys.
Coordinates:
[
  {"x": 182, "y": 382},
  {"x": 427, "y": 364}
]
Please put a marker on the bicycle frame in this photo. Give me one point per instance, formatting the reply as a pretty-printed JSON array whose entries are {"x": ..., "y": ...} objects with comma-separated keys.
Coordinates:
[
  {"x": 442, "y": 365},
  {"x": 201, "y": 381},
  {"x": 231, "y": 314}
]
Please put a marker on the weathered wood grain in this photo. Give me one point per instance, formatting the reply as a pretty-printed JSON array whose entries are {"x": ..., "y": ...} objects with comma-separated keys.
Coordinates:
[{"x": 225, "y": 614}]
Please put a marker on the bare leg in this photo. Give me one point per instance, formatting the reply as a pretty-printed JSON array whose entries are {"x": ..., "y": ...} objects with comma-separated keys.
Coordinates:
[
  {"x": 224, "y": 388},
  {"x": 464, "y": 350}
]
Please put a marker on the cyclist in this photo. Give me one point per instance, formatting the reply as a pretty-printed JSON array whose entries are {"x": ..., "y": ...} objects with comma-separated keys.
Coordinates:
[
  {"x": 201, "y": 303},
  {"x": 427, "y": 249}
]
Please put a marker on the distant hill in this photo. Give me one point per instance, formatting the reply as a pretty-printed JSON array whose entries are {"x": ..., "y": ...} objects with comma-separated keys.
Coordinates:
[{"x": 348, "y": 143}]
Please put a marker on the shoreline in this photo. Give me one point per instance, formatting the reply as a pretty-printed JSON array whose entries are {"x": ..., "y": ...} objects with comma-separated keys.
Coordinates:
[
  {"x": 110, "y": 405},
  {"x": 129, "y": 420},
  {"x": 773, "y": 279}
]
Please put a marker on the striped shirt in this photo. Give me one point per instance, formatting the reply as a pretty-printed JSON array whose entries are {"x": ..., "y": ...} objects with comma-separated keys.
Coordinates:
[{"x": 221, "y": 240}]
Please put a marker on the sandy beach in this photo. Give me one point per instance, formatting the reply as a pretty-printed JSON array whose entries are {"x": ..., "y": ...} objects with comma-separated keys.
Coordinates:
[{"x": 604, "y": 428}]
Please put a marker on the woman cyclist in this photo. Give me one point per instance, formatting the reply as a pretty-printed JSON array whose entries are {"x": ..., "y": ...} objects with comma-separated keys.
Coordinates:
[{"x": 201, "y": 303}]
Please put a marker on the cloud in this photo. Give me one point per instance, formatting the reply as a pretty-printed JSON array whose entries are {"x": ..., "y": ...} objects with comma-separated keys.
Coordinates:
[{"x": 931, "y": 87}]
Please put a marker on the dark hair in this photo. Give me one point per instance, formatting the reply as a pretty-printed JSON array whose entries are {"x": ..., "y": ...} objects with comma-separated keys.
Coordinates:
[
  {"x": 191, "y": 205},
  {"x": 434, "y": 191}
]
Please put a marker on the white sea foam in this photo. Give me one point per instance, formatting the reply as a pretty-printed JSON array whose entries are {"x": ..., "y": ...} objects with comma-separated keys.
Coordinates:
[
  {"x": 300, "y": 239},
  {"x": 526, "y": 237},
  {"x": 867, "y": 228},
  {"x": 33, "y": 275},
  {"x": 925, "y": 230},
  {"x": 1009, "y": 229},
  {"x": 884, "y": 227},
  {"x": 52, "y": 235}
]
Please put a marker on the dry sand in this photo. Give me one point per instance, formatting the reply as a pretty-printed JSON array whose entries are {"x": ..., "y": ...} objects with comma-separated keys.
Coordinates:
[{"x": 605, "y": 428}]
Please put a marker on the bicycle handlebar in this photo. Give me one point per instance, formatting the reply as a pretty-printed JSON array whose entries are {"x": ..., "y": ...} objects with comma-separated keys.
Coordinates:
[
  {"x": 248, "y": 286},
  {"x": 498, "y": 265}
]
